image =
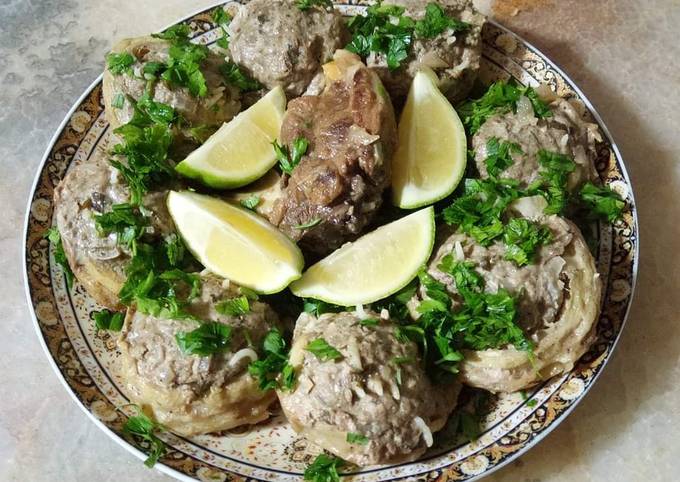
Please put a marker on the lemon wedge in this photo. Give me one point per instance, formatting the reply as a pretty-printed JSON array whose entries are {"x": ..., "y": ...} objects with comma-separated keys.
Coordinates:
[
  {"x": 432, "y": 150},
  {"x": 241, "y": 150},
  {"x": 235, "y": 243},
  {"x": 374, "y": 266}
]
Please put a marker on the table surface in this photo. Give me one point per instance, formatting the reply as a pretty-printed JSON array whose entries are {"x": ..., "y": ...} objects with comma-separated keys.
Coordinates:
[{"x": 624, "y": 54}]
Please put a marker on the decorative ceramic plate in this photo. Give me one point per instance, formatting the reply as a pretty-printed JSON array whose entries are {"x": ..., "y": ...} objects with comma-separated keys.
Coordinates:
[{"x": 85, "y": 360}]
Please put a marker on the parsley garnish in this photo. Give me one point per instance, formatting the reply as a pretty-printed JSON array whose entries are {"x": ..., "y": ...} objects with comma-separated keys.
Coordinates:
[
  {"x": 273, "y": 364},
  {"x": 436, "y": 21},
  {"x": 118, "y": 101},
  {"x": 322, "y": 350},
  {"x": 309, "y": 224},
  {"x": 234, "y": 307},
  {"x": 250, "y": 202},
  {"x": 126, "y": 221},
  {"x": 53, "y": 236},
  {"x": 501, "y": 97},
  {"x": 522, "y": 240},
  {"x": 307, "y": 4},
  {"x": 602, "y": 201},
  {"x": 396, "y": 304},
  {"x": 120, "y": 63},
  {"x": 324, "y": 469},
  {"x": 208, "y": 339},
  {"x": 175, "y": 33},
  {"x": 369, "y": 322},
  {"x": 384, "y": 29},
  {"x": 554, "y": 176},
  {"x": 400, "y": 360},
  {"x": 356, "y": 438},
  {"x": 318, "y": 307},
  {"x": 532, "y": 403},
  {"x": 142, "y": 427},
  {"x": 108, "y": 320},
  {"x": 289, "y": 157},
  {"x": 499, "y": 155},
  {"x": 222, "y": 19},
  {"x": 233, "y": 75}
]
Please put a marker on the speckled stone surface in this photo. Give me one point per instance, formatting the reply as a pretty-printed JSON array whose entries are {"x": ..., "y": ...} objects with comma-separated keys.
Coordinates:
[{"x": 624, "y": 54}]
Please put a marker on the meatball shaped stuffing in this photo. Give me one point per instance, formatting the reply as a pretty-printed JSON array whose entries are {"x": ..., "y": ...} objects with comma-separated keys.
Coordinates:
[
  {"x": 361, "y": 393},
  {"x": 277, "y": 43},
  {"x": 564, "y": 132},
  {"x": 454, "y": 54},
  {"x": 121, "y": 88},
  {"x": 558, "y": 304},
  {"x": 90, "y": 189},
  {"x": 191, "y": 393},
  {"x": 337, "y": 187}
]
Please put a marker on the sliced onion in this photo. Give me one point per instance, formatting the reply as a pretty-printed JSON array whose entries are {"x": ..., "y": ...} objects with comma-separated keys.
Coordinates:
[
  {"x": 424, "y": 430},
  {"x": 240, "y": 355},
  {"x": 460, "y": 254},
  {"x": 359, "y": 311}
]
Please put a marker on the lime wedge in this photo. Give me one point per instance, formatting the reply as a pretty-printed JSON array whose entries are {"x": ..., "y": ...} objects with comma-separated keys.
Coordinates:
[
  {"x": 432, "y": 150},
  {"x": 374, "y": 266},
  {"x": 235, "y": 243},
  {"x": 241, "y": 150}
]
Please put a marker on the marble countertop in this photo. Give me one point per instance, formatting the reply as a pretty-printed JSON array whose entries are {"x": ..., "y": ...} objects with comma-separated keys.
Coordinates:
[{"x": 624, "y": 54}]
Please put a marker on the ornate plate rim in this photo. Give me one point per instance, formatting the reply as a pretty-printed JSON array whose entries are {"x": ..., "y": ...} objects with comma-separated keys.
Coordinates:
[{"x": 181, "y": 476}]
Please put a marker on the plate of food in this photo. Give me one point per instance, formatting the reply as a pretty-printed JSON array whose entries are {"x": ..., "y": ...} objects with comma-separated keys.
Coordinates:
[{"x": 309, "y": 239}]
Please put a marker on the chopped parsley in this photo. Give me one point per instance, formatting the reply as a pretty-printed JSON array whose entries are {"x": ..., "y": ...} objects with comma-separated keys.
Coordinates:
[
  {"x": 523, "y": 238},
  {"x": 324, "y": 469},
  {"x": 309, "y": 224},
  {"x": 119, "y": 64},
  {"x": 322, "y": 350},
  {"x": 369, "y": 322},
  {"x": 200, "y": 133},
  {"x": 251, "y": 202},
  {"x": 118, "y": 101},
  {"x": 501, "y": 97},
  {"x": 532, "y": 403},
  {"x": 273, "y": 370},
  {"x": 126, "y": 221},
  {"x": 400, "y": 360},
  {"x": 108, "y": 320},
  {"x": 208, "y": 339},
  {"x": 289, "y": 157},
  {"x": 53, "y": 236},
  {"x": 175, "y": 33},
  {"x": 318, "y": 307},
  {"x": 356, "y": 438},
  {"x": 233, "y": 75},
  {"x": 602, "y": 201},
  {"x": 234, "y": 307},
  {"x": 307, "y": 4},
  {"x": 436, "y": 21},
  {"x": 499, "y": 155},
  {"x": 396, "y": 304},
  {"x": 222, "y": 19},
  {"x": 143, "y": 428},
  {"x": 554, "y": 177}
]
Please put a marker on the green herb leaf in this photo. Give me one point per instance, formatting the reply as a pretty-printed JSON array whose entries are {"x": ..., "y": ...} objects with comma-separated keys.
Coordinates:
[
  {"x": 126, "y": 221},
  {"x": 273, "y": 370},
  {"x": 201, "y": 132},
  {"x": 532, "y": 403},
  {"x": 554, "y": 177},
  {"x": 222, "y": 19},
  {"x": 143, "y": 428},
  {"x": 369, "y": 322},
  {"x": 120, "y": 63},
  {"x": 356, "y": 438},
  {"x": 602, "y": 201},
  {"x": 234, "y": 307},
  {"x": 233, "y": 75},
  {"x": 324, "y": 469},
  {"x": 289, "y": 158},
  {"x": 53, "y": 236},
  {"x": 436, "y": 21},
  {"x": 307, "y": 4},
  {"x": 308, "y": 224},
  {"x": 322, "y": 350},
  {"x": 118, "y": 101},
  {"x": 498, "y": 155},
  {"x": 318, "y": 307},
  {"x": 250, "y": 202},
  {"x": 207, "y": 339},
  {"x": 523, "y": 238},
  {"x": 109, "y": 320},
  {"x": 175, "y": 33},
  {"x": 400, "y": 360}
]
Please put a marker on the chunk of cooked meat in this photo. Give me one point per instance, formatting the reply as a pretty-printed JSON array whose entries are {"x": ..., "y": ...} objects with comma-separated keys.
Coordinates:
[
  {"x": 564, "y": 132},
  {"x": 90, "y": 188},
  {"x": 219, "y": 105},
  {"x": 337, "y": 188},
  {"x": 277, "y": 43},
  {"x": 453, "y": 56},
  {"x": 377, "y": 389},
  {"x": 192, "y": 394},
  {"x": 558, "y": 305}
]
